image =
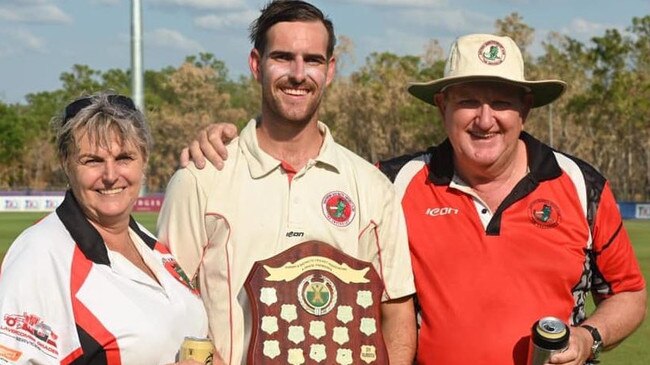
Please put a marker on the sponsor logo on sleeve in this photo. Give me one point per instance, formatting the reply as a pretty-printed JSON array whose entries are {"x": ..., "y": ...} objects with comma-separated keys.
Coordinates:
[
  {"x": 9, "y": 354},
  {"x": 30, "y": 329}
]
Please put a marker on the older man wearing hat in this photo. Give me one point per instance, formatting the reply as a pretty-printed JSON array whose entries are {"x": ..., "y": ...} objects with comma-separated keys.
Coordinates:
[{"x": 503, "y": 229}]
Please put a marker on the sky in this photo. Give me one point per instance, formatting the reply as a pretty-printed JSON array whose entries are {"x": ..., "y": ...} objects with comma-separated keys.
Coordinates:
[{"x": 41, "y": 39}]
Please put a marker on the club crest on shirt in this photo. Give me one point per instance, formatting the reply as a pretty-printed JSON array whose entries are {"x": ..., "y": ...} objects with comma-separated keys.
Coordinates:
[
  {"x": 492, "y": 53},
  {"x": 30, "y": 329},
  {"x": 544, "y": 213},
  {"x": 175, "y": 270},
  {"x": 338, "y": 208}
]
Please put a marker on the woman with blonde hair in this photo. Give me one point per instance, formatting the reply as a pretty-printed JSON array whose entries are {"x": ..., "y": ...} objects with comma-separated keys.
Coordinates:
[{"x": 88, "y": 284}]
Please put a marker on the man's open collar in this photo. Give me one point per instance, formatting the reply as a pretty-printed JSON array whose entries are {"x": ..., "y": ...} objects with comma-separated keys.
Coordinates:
[
  {"x": 541, "y": 162},
  {"x": 261, "y": 163}
]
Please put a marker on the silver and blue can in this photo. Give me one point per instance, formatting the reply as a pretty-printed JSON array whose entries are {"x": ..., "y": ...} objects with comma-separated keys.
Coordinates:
[{"x": 549, "y": 335}]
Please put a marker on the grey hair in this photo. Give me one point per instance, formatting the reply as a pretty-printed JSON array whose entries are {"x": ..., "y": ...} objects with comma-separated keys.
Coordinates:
[{"x": 98, "y": 120}]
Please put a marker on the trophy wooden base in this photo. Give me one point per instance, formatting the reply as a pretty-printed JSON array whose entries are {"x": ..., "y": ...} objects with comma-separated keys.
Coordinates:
[{"x": 313, "y": 304}]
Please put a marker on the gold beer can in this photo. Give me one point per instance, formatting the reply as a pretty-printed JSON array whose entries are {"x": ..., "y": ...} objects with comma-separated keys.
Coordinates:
[{"x": 198, "y": 349}]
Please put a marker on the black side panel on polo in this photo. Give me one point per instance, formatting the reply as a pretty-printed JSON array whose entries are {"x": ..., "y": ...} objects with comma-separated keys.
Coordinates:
[
  {"x": 391, "y": 167},
  {"x": 93, "y": 353}
]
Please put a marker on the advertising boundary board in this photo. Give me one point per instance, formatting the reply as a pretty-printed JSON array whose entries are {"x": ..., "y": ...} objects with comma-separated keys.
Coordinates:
[
  {"x": 48, "y": 203},
  {"x": 152, "y": 203}
]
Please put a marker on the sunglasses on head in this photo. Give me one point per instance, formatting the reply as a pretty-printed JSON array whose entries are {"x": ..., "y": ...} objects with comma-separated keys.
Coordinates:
[{"x": 78, "y": 105}]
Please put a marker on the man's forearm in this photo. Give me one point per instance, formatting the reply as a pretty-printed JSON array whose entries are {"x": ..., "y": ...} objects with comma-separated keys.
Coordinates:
[
  {"x": 618, "y": 316},
  {"x": 399, "y": 330}
]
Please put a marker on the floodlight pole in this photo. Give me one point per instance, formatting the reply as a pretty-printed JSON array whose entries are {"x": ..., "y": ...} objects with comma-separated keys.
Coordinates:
[
  {"x": 137, "y": 82},
  {"x": 137, "y": 79}
]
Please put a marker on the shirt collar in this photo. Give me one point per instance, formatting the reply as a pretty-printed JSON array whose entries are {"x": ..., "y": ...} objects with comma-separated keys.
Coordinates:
[
  {"x": 541, "y": 161},
  {"x": 86, "y": 237},
  {"x": 261, "y": 163}
]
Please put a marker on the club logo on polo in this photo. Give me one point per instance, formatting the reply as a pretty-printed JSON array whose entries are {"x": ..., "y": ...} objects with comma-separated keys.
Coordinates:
[
  {"x": 492, "y": 53},
  {"x": 544, "y": 213},
  {"x": 338, "y": 208},
  {"x": 175, "y": 270},
  {"x": 317, "y": 294}
]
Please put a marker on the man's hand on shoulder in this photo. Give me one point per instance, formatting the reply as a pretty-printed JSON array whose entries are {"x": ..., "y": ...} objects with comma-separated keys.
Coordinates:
[{"x": 209, "y": 144}]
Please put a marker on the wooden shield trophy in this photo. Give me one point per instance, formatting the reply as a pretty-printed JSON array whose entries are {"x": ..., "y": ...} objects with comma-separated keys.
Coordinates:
[{"x": 313, "y": 304}]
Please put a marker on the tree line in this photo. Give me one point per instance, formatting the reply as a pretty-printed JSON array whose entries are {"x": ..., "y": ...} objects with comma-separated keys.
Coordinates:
[{"x": 604, "y": 117}]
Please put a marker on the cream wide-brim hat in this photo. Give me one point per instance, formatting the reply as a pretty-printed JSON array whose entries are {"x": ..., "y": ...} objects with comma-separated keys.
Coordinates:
[{"x": 486, "y": 57}]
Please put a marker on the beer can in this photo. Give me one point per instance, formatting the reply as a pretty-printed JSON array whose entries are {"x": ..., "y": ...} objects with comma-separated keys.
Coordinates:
[
  {"x": 549, "y": 335},
  {"x": 198, "y": 349}
]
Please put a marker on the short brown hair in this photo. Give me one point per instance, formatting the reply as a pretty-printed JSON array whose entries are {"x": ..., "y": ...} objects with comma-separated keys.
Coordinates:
[{"x": 278, "y": 11}]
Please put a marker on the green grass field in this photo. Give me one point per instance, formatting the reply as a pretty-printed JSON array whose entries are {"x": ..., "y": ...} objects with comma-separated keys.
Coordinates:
[
  {"x": 634, "y": 351},
  {"x": 11, "y": 224}
]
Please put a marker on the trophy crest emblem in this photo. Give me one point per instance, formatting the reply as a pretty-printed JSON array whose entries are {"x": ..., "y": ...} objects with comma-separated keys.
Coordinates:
[{"x": 317, "y": 295}]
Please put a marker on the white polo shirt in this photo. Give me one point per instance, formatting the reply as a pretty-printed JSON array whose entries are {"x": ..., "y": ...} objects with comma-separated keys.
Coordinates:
[
  {"x": 66, "y": 299},
  {"x": 218, "y": 223}
]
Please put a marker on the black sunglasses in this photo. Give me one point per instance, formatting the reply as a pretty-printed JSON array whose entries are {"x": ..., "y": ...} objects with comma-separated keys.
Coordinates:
[{"x": 78, "y": 105}]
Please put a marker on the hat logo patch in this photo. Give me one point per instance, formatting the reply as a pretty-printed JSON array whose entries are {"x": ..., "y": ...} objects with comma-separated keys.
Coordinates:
[
  {"x": 492, "y": 53},
  {"x": 338, "y": 208}
]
